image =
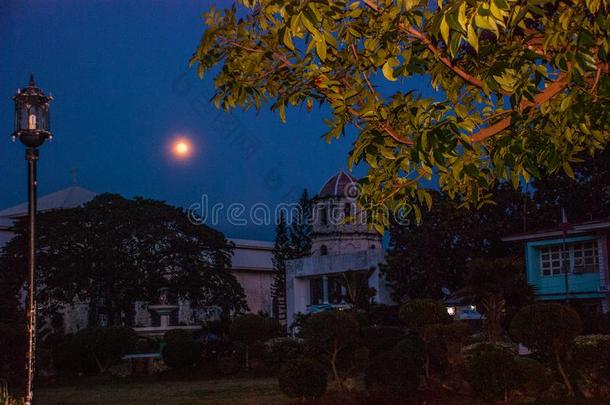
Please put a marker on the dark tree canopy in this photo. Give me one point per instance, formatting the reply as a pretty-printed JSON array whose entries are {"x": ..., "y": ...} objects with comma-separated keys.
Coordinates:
[
  {"x": 116, "y": 251},
  {"x": 423, "y": 258},
  {"x": 584, "y": 197}
]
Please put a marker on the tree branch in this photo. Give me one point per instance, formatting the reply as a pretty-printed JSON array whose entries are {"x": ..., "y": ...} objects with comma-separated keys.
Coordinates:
[
  {"x": 552, "y": 90},
  {"x": 384, "y": 127},
  {"x": 443, "y": 59}
]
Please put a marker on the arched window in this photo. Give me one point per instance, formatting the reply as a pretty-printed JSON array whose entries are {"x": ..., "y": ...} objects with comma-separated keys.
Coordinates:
[
  {"x": 323, "y": 250},
  {"x": 347, "y": 210},
  {"x": 372, "y": 246},
  {"x": 323, "y": 216}
]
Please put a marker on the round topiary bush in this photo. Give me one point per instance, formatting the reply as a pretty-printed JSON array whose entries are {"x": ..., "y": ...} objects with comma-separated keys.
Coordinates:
[
  {"x": 419, "y": 313},
  {"x": 279, "y": 351},
  {"x": 183, "y": 356},
  {"x": 493, "y": 372},
  {"x": 393, "y": 373},
  {"x": 302, "y": 379},
  {"x": 379, "y": 338}
]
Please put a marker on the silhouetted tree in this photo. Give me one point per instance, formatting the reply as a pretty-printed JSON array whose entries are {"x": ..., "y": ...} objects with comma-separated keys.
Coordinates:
[
  {"x": 282, "y": 251},
  {"x": 115, "y": 251},
  {"x": 300, "y": 227}
]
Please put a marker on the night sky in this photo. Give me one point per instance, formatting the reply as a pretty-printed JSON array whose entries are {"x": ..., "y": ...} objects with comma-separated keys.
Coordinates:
[{"x": 122, "y": 91}]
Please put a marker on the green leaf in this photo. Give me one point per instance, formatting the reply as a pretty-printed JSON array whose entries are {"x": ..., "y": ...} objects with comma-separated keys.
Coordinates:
[
  {"x": 321, "y": 49},
  {"x": 472, "y": 38},
  {"x": 445, "y": 30},
  {"x": 287, "y": 39},
  {"x": 462, "y": 16},
  {"x": 388, "y": 68}
]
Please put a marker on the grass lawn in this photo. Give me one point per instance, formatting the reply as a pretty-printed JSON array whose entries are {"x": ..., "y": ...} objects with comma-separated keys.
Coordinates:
[{"x": 233, "y": 391}]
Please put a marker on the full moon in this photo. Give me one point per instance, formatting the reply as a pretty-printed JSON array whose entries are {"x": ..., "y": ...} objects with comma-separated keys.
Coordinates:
[{"x": 181, "y": 148}]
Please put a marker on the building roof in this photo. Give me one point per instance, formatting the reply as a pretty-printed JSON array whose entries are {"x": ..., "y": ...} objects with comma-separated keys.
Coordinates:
[
  {"x": 252, "y": 244},
  {"x": 573, "y": 229},
  {"x": 339, "y": 185},
  {"x": 67, "y": 198},
  {"x": 252, "y": 255}
]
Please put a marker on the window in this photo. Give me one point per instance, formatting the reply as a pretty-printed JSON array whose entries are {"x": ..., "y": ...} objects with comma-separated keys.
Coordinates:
[
  {"x": 323, "y": 250},
  {"x": 323, "y": 216},
  {"x": 316, "y": 291},
  {"x": 335, "y": 289},
  {"x": 372, "y": 246},
  {"x": 578, "y": 258},
  {"x": 585, "y": 258}
]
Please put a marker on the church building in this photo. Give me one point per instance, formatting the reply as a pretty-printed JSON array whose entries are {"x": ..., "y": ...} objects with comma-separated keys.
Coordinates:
[{"x": 344, "y": 252}]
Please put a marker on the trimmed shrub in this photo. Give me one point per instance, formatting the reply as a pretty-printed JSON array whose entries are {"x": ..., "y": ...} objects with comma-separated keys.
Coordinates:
[
  {"x": 332, "y": 337},
  {"x": 445, "y": 342},
  {"x": 426, "y": 317},
  {"x": 249, "y": 329},
  {"x": 177, "y": 335},
  {"x": 493, "y": 371},
  {"x": 419, "y": 313},
  {"x": 302, "y": 379},
  {"x": 549, "y": 329},
  {"x": 279, "y": 351},
  {"x": 535, "y": 376},
  {"x": 591, "y": 357},
  {"x": 379, "y": 338},
  {"x": 183, "y": 356},
  {"x": 392, "y": 373}
]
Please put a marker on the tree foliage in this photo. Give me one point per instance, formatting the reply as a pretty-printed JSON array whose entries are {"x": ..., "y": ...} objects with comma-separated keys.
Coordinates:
[
  {"x": 498, "y": 288},
  {"x": 116, "y": 251},
  {"x": 414, "y": 267},
  {"x": 591, "y": 183},
  {"x": 520, "y": 88}
]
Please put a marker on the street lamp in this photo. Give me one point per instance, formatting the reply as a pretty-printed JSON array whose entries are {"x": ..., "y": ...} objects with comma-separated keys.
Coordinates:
[{"x": 32, "y": 128}]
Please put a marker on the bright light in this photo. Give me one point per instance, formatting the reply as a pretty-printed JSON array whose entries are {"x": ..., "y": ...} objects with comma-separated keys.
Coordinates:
[
  {"x": 181, "y": 148},
  {"x": 451, "y": 310}
]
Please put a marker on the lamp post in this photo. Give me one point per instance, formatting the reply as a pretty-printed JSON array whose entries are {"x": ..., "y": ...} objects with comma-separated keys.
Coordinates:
[{"x": 32, "y": 128}]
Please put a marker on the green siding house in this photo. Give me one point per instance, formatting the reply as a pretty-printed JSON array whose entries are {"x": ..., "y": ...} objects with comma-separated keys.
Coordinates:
[{"x": 570, "y": 265}]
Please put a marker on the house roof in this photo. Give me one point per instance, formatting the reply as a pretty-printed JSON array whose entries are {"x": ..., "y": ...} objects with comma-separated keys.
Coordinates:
[
  {"x": 67, "y": 198},
  {"x": 573, "y": 229},
  {"x": 338, "y": 186}
]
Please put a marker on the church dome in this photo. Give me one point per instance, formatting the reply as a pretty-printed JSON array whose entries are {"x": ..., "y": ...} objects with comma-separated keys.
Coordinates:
[{"x": 340, "y": 185}]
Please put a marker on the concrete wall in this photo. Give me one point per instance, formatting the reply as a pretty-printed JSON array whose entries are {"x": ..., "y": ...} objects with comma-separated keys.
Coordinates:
[{"x": 257, "y": 286}]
